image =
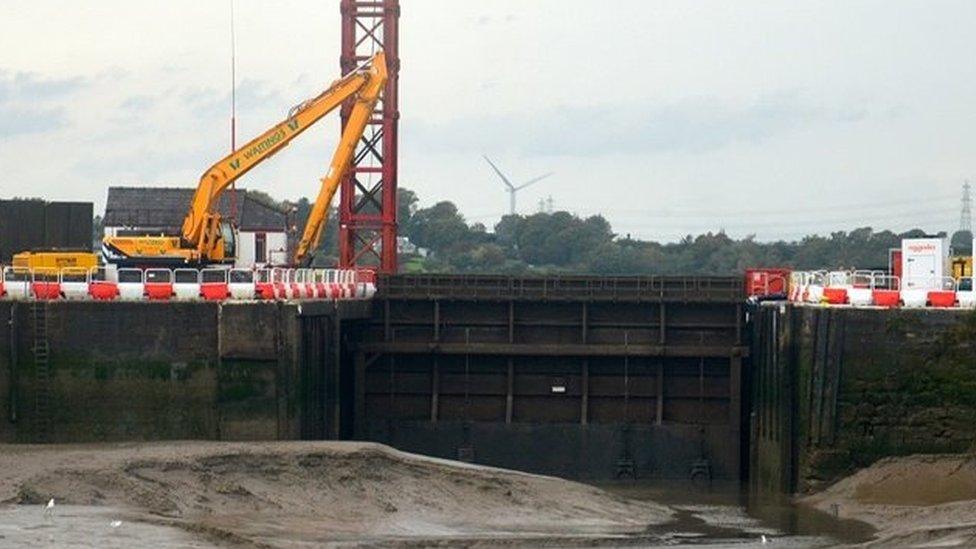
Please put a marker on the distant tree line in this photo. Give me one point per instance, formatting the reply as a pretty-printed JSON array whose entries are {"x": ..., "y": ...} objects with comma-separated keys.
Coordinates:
[{"x": 561, "y": 242}]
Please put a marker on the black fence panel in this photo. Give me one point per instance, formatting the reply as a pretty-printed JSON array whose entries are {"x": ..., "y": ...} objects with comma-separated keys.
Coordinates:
[{"x": 35, "y": 224}]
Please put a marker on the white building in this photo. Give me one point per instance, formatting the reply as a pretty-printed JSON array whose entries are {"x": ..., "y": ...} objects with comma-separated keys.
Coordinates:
[
  {"x": 262, "y": 229},
  {"x": 405, "y": 247}
]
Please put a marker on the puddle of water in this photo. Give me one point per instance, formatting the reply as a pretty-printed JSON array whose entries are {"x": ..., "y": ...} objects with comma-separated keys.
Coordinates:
[
  {"x": 721, "y": 516},
  {"x": 86, "y": 526},
  {"x": 724, "y": 516}
]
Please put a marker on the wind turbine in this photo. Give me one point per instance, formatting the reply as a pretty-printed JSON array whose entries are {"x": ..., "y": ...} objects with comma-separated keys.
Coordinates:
[{"x": 512, "y": 189}]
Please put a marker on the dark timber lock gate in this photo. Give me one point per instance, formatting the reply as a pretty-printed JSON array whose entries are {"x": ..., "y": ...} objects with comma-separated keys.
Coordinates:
[{"x": 577, "y": 376}]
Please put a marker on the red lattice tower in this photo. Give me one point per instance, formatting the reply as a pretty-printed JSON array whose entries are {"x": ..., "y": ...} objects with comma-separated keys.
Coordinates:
[{"x": 367, "y": 199}]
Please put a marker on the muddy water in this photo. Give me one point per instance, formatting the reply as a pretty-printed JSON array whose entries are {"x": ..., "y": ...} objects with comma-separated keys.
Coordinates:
[
  {"x": 723, "y": 515},
  {"x": 87, "y": 526}
]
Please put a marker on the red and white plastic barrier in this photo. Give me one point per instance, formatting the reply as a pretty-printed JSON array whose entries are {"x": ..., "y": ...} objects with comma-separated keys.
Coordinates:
[
  {"x": 860, "y": 293},
  {"x": 264, "y": 285},
  {"x": 131, "y": 284},
  {"x": 966, "y": 292},
  {"x": 885, "y": 290},
  {"x": 100, "y": 288},
  {"x": 184, "y": 284},
  {"x": 813, "y": 291},
  {"x": 45, "y": 284},
  {"x": 241, "y": 284},
  {"x": 214, "y": 284},
  {"x": 837, "y": 287},
  {"x": 16, "y": 283},
  {"x": 159, "y": 284},
  {"x": 75, "y": 282},
  {"x": 879, "y": 289}
]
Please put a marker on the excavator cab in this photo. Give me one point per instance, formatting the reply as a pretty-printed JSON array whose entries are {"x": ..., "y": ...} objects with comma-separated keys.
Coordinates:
[{"x": 228, "y": 234}]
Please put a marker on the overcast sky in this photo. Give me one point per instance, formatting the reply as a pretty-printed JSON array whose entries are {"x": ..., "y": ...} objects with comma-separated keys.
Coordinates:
[{"x": 769, "y": 118}]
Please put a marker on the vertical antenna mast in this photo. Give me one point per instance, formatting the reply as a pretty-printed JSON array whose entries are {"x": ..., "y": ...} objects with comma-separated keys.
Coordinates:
[
  {"x": 233, "y": 107},
  {"x": 233, "y": 82}
]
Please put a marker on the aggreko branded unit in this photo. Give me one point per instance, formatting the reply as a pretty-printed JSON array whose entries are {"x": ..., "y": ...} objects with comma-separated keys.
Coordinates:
[{"x": 924, "y": 262}]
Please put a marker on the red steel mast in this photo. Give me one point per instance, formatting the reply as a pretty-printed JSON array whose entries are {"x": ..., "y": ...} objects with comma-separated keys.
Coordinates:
[{"x": 367, "y": 200}]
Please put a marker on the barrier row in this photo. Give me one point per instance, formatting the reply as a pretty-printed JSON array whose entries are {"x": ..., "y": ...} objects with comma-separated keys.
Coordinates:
[
  {"x": 159, "y": 284},
  {"x": 877, "y": 288}
]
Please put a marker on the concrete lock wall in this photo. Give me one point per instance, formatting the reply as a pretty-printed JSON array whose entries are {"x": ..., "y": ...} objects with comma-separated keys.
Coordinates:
[
  {"x": 835, "y": 389},
  {"x": 147, "y": 371}
]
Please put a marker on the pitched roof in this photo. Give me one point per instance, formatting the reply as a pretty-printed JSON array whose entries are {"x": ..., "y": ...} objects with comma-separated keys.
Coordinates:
[{"x": 163, "y": 209}]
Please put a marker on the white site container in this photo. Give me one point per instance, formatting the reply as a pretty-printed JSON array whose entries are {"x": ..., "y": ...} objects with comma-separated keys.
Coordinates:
[{"x": 924, "y": 261}]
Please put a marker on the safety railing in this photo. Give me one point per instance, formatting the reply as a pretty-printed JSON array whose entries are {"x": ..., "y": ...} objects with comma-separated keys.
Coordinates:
[
  {"x": 559, "y": 287},
  {"x": 863, "y": 288},
  {"x": 184, "y": 284}
]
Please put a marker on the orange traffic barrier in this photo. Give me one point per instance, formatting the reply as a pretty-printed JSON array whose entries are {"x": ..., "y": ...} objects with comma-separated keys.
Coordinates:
[
  {"x": 835, "y": 296},
  {"x": 159, "y": 284},
  {"x": 103, "y": 290},
  {"x": 942, "y": 298},
  {"x": 45, "y": 284},
  {"x": 213, "y": 284},
  {"x": 886, "y": 298}
]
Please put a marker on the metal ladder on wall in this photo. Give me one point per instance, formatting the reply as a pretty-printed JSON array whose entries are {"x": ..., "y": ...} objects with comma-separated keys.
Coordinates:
[{"x": 42, "y": 372}]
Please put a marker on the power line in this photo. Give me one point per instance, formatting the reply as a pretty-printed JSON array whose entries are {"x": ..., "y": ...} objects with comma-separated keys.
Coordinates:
[
  {"x": 791, "y": 211},
  {"x": 935, "y": 216}
]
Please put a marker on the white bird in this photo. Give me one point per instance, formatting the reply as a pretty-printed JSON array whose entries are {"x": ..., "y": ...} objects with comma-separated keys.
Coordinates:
[
  {"x": 116, "y": 523},
  {"x": 764, "y": 540},
  {"x": 49, "y": 508}
]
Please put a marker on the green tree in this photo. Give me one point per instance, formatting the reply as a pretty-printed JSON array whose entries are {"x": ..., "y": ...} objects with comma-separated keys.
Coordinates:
[{"x": 439, "y": 228}]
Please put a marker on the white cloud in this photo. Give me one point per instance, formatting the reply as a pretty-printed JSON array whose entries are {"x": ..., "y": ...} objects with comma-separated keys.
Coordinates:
[{"x": 641, "y": 108}]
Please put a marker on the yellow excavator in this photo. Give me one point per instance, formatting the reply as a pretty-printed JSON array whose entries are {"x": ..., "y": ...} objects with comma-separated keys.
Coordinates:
[{"x": 207, "y": 238}]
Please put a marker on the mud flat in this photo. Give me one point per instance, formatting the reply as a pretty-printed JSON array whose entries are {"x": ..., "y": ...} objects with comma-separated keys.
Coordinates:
[
  {"x": 283, "y": 494},
  {"x": 915, "y": 501}
]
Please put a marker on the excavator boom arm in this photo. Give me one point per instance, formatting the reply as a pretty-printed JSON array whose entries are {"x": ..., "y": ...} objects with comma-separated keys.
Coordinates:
[
  {"x": 199, "y": 229},
  {"x": 356, "y": 123}
]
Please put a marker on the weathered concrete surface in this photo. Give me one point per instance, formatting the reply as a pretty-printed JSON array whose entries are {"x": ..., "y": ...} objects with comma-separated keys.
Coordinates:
[
  {"x": 148, "y": 371},
  {"x": 836, "y": 389},
  {"x": 7, "y": 406}
]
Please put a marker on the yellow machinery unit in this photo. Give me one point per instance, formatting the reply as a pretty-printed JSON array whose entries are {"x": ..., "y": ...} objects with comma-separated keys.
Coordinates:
[
  {"x": 55, "y": 259},
  {"x": 205, "y": 237}
]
